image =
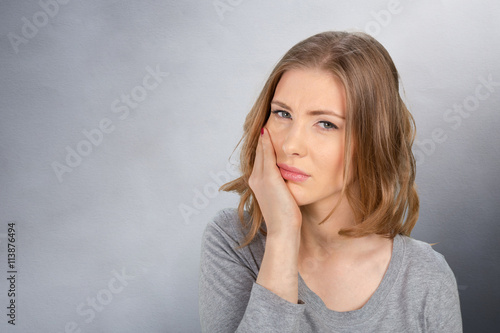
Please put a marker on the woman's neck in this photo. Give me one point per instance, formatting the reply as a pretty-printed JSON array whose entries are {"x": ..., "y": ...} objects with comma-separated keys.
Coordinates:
[{"x": 320, "y": 240}]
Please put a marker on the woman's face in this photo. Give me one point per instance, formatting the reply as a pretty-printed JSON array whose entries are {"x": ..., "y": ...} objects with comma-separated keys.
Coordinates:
[{"x": 307, "y": 126}]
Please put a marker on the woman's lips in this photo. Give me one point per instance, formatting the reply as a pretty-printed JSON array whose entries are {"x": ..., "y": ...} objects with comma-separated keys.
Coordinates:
[{"x": 291, "y": 173}]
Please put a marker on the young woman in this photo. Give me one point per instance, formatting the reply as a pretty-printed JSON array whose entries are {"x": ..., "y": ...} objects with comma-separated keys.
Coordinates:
[{"x": 320, "y": 241}]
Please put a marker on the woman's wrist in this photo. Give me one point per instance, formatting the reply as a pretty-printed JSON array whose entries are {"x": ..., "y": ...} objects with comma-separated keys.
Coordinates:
[
  {"x": 288, "y": 236},
  {"x": 279, "y": 270}
]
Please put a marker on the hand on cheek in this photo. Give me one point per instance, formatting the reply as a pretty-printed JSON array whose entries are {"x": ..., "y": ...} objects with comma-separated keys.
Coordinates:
[{"x": 281, "y": 213}]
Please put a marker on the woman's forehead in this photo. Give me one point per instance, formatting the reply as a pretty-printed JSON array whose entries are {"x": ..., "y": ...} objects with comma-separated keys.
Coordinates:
[{"x": 310, "y": 90}]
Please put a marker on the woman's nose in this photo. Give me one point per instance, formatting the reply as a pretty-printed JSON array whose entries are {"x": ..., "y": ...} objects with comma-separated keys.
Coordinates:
[{"x": 295, "y": 141}]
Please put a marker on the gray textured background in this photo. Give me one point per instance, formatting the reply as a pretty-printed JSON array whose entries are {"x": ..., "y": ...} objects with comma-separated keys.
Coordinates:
[{"x": 109, "y": 240}]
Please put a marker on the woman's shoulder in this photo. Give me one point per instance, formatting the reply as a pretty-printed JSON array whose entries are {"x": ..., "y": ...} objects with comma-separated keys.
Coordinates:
[
  {"x": 227, "y": 226},
  {"x": 424, "y": 261},
  {"x": 223, "y": 236}
]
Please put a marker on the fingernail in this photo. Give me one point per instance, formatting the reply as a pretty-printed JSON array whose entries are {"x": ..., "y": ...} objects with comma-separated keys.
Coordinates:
[{"x": 262, "y": 131}]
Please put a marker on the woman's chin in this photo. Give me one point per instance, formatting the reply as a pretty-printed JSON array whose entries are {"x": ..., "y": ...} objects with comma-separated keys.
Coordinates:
[{"x": 301, "y": 197}]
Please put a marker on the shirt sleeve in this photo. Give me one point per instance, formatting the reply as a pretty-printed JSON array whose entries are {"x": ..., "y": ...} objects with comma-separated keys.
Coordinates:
[
  {"x": 229, "y": 298},
  {"x": 442, "y": 311}
]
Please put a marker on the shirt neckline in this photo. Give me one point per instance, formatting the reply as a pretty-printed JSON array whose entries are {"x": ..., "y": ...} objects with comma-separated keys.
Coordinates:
[{"x": 369, "y": 309}]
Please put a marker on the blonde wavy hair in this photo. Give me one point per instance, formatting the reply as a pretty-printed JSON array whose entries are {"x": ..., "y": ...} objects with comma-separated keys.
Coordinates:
[{"x": 378, "y": 138}]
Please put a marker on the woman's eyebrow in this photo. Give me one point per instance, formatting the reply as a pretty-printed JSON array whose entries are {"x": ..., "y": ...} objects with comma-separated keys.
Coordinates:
[{"x": 311, "y": 113}]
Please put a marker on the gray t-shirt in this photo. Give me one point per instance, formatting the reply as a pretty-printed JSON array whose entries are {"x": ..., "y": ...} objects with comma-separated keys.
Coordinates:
[{"x": 417, "y": 294}]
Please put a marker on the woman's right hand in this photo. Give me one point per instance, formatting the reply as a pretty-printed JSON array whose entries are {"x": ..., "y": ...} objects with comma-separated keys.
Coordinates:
[
  {"x": 279, "y": 268},
  {"x": 280, "y": 211}
]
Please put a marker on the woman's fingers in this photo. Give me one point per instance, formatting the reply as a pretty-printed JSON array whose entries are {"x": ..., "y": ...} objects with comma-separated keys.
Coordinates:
[
  {"x": 268, "y": 154},
  {"x": 259, "y": 159},
  {"x": 265, "y": 158},
  {"x": 278, "y": 206}
]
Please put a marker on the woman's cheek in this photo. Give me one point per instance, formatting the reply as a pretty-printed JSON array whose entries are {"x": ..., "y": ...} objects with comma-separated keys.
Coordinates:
[
  {"x": 271, "y": 128},
  {"x": 275, "y": 127},
  {"x": 276, "y": 137}
]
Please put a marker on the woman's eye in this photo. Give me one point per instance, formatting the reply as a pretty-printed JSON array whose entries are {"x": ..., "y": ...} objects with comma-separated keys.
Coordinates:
[
  {"x": 282, "y": 114},
  {"x": 328, "y": 125}
]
